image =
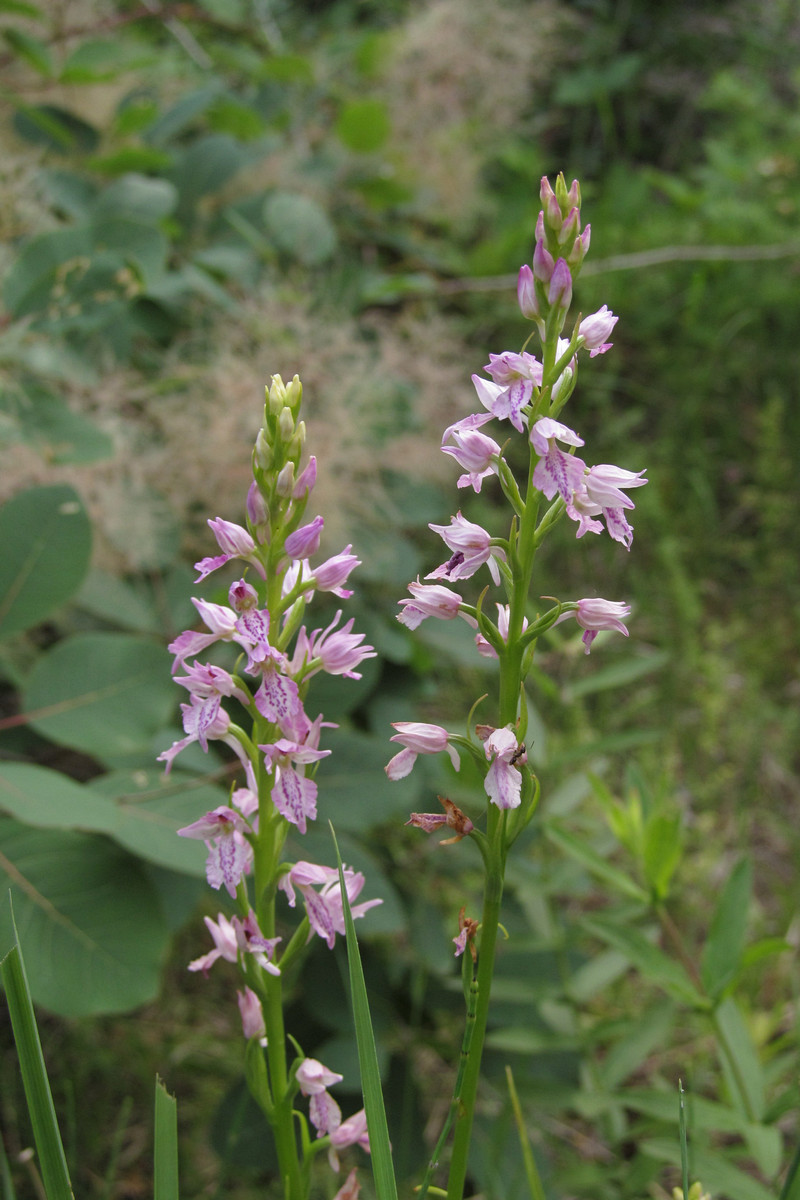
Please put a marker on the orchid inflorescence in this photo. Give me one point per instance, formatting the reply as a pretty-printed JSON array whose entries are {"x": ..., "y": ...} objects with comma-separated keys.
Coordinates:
[
  {"x": 524, "y": 397},
  {"x": 277, "y": 657}
]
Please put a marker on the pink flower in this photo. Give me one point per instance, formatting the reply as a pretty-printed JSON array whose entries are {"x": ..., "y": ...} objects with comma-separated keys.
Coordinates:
[
  {"x": 559, "y": 294},
  {"x": 594, "y": 330},
  {"x": 352, "y": 1132},
  {"x": 314, "y": 1078},
  {"x": 251, "y": 1014},
  {"x": 595, "y": 614},
  {"x": 475, "y": 452},
  {"x": 234, "y": 542},
  {"x": 471, "y": 546},
  {"x": 324, "y": 908},
  {"x": 294, "y": 796},
  {"x": 428, "y": 600},
  {"x": 230, "y": 854},
  {"x": 330, "y": 575},
  {"x": 350, "y": 1188},
  {"x": 337, "y": 651},
  {"x": 516, "y": 375},
  {"x": 503, "y": 782},
  {"x": 556, "y": 471},
  {"x": 418, "y": 738}
]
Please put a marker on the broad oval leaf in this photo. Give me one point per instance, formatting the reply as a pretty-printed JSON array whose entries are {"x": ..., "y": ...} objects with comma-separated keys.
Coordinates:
[
  {"x": 88, "y": 919},
  {"x": 46, "y": 539},
  {"x": 300, "y": 227},
  {"x": 107, "y": 694}
]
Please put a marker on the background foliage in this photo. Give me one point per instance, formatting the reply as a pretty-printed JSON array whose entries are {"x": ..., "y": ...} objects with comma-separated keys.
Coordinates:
[{"x": 195, "y": 196}]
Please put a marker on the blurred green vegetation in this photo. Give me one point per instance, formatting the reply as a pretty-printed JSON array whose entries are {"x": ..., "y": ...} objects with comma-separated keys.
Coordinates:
[{"x": 197, "y": 195}]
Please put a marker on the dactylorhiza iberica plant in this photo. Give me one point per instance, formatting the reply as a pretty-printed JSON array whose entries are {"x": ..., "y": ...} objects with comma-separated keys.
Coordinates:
[
  {"x": 521, "y": 401},
  {"x": 278, "y": 746}
]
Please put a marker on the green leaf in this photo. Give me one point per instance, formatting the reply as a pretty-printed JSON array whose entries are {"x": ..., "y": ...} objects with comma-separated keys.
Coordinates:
[
  {"x": 719, "y": 1176},
  {"x": 300, "y": 227},
  {"x": 647, "y": 1032},
  {"x": 52, "y": 1160},
  {"x": 618, "y": 674},
  {"x": 32, "y": 50},
  {"x": 183, "y": 114},
  {"x": 653, "y": 963},
  {"x": 30, "y": 278},
  {"x": 578, "y": 849},
  {"x": 45, "y": 422},
  {"x": 661, "y": 851},
  {"x": 139, "y": 198},
  {"x": 107, "y": 694},
  {"x": 46, "y": 543},
  {"x": 49, "y": 800},
  {"x": 98, "y": 59},
  {"x": 141, "y": 810},
  {"x": 165, "y": 1159},
  {"x": 56, "y": 128},
  {"x": 89, "y": 918},
  {"x": 722, "y": 953},
  {"x": 140, "y": 159},
  {"x": 380, "y": 1146},
  {"x": 150, "y": 808},
  {"x": 363, "y": 125},
  {"x": 740, "y": 1060}
]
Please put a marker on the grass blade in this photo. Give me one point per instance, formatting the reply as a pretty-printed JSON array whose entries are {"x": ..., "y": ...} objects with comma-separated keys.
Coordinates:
[
  {"x": 380, "y": 1147},
  {"x": 531, "y": 1170},
  {"x": 165, "y": 1160},
  {"x": 52, "y": 1160},
  {"x": 684, "y": 1146}
]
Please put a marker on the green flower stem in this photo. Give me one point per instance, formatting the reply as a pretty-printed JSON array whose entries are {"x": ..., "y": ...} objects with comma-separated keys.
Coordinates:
[
  {"x": 490, "y": 922},
  {"x": 282, "y": 1119},
  {"x": 510, "y": 685}
]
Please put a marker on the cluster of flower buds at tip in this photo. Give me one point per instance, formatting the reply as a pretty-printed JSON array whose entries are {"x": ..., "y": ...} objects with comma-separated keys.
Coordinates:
[{"x": 284, "y": 395}]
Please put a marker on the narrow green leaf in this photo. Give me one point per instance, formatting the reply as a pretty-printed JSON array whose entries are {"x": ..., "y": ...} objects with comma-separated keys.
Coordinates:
[
  {"x": 684, "y": 1142},
  {"x": 380, "y": 1146},
  {"x": 653, "y": 963},
  {"x": 52, "y": 1160},
  {"x": 594, "y": 862},
  {"x": 33, "y": 50},
  {"x": 661, "y": 850},
  {"x": 725, "y": 944},
  {"x": 531, "y": 1170},
  {"x": 165, "y": 1158},
  {"x": 740, "y": 1059}
]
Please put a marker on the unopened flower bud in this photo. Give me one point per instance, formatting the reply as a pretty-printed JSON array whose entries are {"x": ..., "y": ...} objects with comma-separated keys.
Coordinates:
[
  {"x": 567, "y": 199},
  {"x": 263, "y": 451},
  {"x": 294, "y": 393},
  {"x": 284, "y": 484},
  {"x": 286, "y": 424},
  {"x": 297, "y": 442},
  {"x": 579, "y": 248},
  {"x": 277, "y": 395},
  {"x": 304, "y": 542},
  {"x": 543, "y": 263},
  {"x": 560, "y": 293},
  {"x": 570, "y": 228},
  {"x": 526, "y": 294},
  {"x": 306, "y": 479},
  {"x": 550, "y": 206},
  {"x": 257, "y": 511}
]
